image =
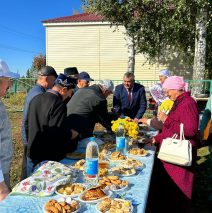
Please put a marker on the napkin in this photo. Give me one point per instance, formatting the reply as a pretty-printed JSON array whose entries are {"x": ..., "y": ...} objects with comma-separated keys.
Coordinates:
[{"x": 44, "y": 180}]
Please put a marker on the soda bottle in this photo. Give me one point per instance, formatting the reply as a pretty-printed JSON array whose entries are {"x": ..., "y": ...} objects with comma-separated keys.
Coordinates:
[
  {"x": 120, "y": 138},
  {"x": 92, "y": 156}
]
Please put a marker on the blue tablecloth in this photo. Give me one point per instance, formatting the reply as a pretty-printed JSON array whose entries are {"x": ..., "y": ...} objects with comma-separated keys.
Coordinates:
[{"x": 139, "y": 188}]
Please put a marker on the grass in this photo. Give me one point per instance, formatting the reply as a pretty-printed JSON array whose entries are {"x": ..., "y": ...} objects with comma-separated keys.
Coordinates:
[{"x": 202, "y": 185}]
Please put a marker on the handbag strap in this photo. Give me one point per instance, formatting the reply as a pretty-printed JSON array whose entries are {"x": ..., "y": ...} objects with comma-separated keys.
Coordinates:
[
  {"x": 174, "y": 136},
  {"x": 182, "y": 137}
]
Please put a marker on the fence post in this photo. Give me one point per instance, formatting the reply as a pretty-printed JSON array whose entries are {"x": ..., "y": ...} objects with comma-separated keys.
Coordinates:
[{"x": 15, "y": 87}]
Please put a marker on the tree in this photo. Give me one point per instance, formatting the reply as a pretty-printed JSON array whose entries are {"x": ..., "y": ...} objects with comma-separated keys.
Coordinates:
[
  {"x": 120, "y": 12},
  {"x": 161, "y": 27},
  {"x": 38, "y": 62}
]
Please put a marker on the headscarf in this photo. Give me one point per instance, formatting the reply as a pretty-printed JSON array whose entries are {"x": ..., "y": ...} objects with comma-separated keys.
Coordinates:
[
  {"x": 165, "y": 72},
  {"x": 175, "y": 82}
]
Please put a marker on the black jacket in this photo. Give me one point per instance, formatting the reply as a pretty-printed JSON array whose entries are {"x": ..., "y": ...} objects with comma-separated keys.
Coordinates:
[
  {"x": 87, "y": 107},
  {"x": 47, "y": 134}
]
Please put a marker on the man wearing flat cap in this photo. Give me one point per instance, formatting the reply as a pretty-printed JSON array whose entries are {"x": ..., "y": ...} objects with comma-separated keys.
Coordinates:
[
  {"x": 88, "y": 106},
  {"x": 45, "y": 80},
  {"x": 83, "y": 80},
  {"x": 49, "y": 138}
]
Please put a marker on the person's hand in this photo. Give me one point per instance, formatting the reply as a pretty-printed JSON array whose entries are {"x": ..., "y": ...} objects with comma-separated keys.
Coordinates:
[
  {"x": 74, "y": 134},
  {"x": 143, "y": 120},
  {"x": 136, "y": 120},
  {"x": 162, "y": 116},
  {"x": 4, "y": 191},
  {"x": 153, "y": 141}
]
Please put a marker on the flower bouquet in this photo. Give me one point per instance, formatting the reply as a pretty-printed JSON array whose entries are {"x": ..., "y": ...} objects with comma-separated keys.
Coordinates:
[{"x": 130, "y": 126}]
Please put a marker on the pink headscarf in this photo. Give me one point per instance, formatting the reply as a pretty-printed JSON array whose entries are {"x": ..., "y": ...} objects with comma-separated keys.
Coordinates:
[{"x": 175, "y": 82}]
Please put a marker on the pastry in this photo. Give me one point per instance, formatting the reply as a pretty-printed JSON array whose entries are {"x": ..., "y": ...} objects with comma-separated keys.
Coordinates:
[
  {"x": 113, "y": 182},
  {"x": 138, "y": 151},
  {"x": 93, "y": 194},
  {"x": 71, "y": 189},
  {"x": 53, "y": 206},
  {"x": 115, "y": 206},
  {"x": 80, "y": 164},
  {"x": 117, "y": 156}
]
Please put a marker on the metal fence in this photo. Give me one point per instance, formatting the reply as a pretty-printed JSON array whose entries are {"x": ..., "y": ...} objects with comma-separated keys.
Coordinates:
[
  {"x": 25, "y": 84},
  {"x": 21, "y": 87}
]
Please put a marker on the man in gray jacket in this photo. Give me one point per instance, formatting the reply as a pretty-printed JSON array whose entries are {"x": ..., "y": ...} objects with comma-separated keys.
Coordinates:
[
  {"x": 6, "y": 146},
  {"x": 89, "y": 106}
]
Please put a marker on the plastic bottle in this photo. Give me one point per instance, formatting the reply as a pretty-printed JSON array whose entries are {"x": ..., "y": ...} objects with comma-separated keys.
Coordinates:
[
  {"x": 120, "y": 139},
  {"x": 92, "y": 157}
]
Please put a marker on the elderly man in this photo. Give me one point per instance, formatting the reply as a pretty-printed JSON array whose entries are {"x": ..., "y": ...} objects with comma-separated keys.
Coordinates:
[
  {"x": 46, "y": 78},
  {"x": 71, "y": 72},
  {"x": 6, "y": 147},
  {"x": 129, "y": 98},
  {"x": 89, "y": 106},
  {"x": 83, "y": 80},
  {"x": 49, "y": 138}
]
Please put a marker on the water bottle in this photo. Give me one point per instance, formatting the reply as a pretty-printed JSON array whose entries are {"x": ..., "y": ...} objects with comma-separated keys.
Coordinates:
[
  {"x": 92, "y": 156},
  {"x": 120, "y": 139}
]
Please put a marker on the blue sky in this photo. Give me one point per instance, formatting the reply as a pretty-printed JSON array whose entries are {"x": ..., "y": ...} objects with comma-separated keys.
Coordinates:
[{"x": 22, "y": 35}]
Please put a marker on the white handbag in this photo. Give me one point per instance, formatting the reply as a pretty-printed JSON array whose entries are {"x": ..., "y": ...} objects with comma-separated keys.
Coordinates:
[{"x": 176, "y": 151}]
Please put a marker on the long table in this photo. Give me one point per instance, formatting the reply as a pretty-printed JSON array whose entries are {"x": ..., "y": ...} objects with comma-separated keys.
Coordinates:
[{"x": 138, "y": 189}]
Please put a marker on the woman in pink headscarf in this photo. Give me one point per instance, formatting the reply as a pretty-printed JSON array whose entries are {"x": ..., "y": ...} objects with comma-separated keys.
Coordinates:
[{"x": 175, "y": 183}]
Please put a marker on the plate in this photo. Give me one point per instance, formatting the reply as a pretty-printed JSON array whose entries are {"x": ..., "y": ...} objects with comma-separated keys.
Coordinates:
[
  {"x": 107, "y": 192},
  {"x": 79, "y": 165},
  {"x": 132, "y": 163},
  {"x": 118, "y": 171},
  {"x": 115, "y": 181},
  {"x": 61, "y": 200},
  {"x": 118, "y": 190},
  {"x": 110, "y": 146},
  {"x": 73, "y": 195},
  {"x": 116, "y": 199}
]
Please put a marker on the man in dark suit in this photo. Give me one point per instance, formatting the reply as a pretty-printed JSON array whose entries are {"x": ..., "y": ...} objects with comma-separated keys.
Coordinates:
[{"x": 129, "y": 98}]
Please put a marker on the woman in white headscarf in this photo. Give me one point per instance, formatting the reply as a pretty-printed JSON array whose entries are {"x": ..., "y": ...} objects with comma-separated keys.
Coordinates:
[
  {"x": 159, "y": 97},
  {"x": 157, "y": 90}
]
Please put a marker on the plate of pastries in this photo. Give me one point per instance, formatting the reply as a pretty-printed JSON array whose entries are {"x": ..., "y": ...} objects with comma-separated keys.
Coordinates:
[
  {"x": 123, "y": 171},
  {"x": 134, "y": 163},
  {"x": 110, "y": 145},
  {"x": 61, "y": 205},
  {"x": 113, "y": 183},
  {"x": 94, "y": 195},
  {"x": 70, "y": 189},
  {"x": 79, "y": 165},
  {"x": 114, "y": 205},
  {"x": 139, "y": 152},
  {"x": 117, "y": 156}
]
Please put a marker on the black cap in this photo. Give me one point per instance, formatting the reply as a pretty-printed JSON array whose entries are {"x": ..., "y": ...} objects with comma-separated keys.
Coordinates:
[
  {"x": 65, "y": 81},
  {"x": 47, "y": 71},
  {"x": 70, "y": 71}
]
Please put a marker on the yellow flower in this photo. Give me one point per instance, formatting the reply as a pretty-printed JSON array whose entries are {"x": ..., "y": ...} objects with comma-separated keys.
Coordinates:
[{"x": 130, "y": 126}]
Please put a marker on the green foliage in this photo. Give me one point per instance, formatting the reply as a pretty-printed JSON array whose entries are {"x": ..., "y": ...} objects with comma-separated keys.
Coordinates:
[
  {"x": 14, "y": 101},
  {"x": 159, "y": 28}
]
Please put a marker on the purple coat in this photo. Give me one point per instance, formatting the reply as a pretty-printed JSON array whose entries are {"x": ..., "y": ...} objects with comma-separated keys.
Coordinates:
[{"x": 184, "y": 111}]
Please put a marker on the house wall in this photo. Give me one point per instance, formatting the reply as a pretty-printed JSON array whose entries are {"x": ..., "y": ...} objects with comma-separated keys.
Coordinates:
[{"x": 95, "y": 48}]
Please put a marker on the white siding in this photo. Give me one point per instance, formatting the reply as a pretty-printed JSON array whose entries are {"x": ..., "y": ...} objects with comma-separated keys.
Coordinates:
[{"x": 96, "y": 48}]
